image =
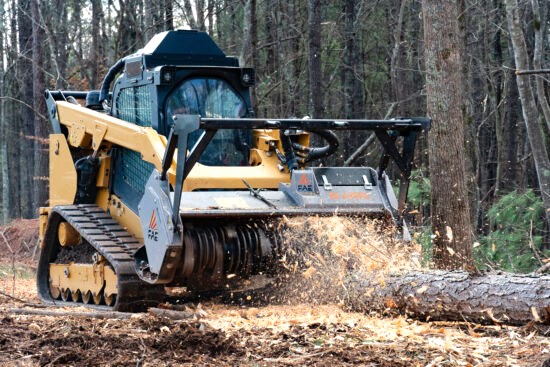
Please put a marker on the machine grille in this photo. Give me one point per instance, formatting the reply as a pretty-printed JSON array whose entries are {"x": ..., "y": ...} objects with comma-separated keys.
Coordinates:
[
  {"x": 134, "y": 171},
  {"x": 134, "y": 105}
]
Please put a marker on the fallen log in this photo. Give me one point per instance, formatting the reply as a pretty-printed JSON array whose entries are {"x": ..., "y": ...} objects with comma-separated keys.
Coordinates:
[
  {"x": 501, "y": 298},
  {"x": 358, "y": 262}
]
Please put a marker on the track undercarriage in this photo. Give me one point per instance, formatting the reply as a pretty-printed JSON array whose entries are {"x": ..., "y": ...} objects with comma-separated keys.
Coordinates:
[
  {"x": 96, "y": 267},
  {"x": 99, "y": 270}
]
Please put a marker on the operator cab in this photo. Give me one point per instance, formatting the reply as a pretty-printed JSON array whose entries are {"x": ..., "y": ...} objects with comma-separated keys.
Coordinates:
[
  {"x": 184, "y": 72},
  {"x": 177, "y": 72},
  {"x": 212, "y": 98}
]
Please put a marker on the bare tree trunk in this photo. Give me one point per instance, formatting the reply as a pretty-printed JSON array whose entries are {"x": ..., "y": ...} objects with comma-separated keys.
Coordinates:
[
  {"x": 247, "y": 20},
  {"x": 189, "y": 16},
  {"x": 149, "y": 20},
  {"x": 351, "y": 73},
  {"x": 438, "y": 295},
  {"x": 314, "y": 58},
  {"x": 169, "y": 15},
  {"x": 452, "y": 244},
  {"x": 3, "y": 127},
  {"x": 129, "y": 35},
  {"x": 294, "y": 48},
  {"x": 499, "y": 93},
  {"x": 24, "y": 64},
  {"x": 539, "y": 26},
  {"x": 515, "y": 133},
  {"x": 529, "y": 107},
  {"x": 58, "y": 29},
  {"x": 12, "y": 112},
  {"x": 79, "y": 36},
  {"x": 210, "y": 18},
  {"x": 352, "y": 86},
  {"x": 253, "y": 47},
  {"x": 97, "y": 44},
  {"x": 40, "y": 193},
  {"x": 200, "y": 15},
  {"x": 397, "y": 84}
]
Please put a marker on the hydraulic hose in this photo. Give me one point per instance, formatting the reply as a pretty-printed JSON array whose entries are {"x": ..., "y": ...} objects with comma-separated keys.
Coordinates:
[
  {"x": 109, "y": 77},
  {"x": 319, "y": 152}
]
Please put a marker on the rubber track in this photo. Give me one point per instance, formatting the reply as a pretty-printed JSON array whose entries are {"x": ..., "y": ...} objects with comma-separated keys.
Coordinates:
[{"x": 112, "y": 241}]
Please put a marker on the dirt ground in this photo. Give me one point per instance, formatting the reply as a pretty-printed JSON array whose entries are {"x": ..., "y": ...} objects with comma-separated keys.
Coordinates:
[{"x": 217, "y": 334}]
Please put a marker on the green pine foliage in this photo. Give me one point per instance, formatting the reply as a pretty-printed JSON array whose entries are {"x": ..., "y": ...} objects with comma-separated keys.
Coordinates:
[
  {"x": 418, "y": 199},
  {"x": 514, "y": 243},
  {"x": 423, "y": 236},
  {"x": 419, "y": 189}
]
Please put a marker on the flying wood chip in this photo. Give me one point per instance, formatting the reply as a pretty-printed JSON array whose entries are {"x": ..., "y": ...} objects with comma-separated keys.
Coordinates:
[
  {"x": 449, "y": 233},
  {"x": 390, "y": 303}
]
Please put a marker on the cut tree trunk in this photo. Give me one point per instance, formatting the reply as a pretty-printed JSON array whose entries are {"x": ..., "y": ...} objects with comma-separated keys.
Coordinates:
[
  {"x": 452, "y": 242},
  {"x": 501, "y": 298}
]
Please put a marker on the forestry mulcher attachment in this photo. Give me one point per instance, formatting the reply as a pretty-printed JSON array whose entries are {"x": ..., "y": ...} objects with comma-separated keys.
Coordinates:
[{"x": 166, "y": 179}]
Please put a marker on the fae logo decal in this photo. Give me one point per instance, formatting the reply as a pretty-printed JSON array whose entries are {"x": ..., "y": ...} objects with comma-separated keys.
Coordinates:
[
  {"x": 152, "y": 232},
  {"x": 304, "y": 184}
]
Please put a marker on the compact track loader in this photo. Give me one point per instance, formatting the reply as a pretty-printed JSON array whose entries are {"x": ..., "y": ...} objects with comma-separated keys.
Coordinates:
[{"x": 165, "y": 178}]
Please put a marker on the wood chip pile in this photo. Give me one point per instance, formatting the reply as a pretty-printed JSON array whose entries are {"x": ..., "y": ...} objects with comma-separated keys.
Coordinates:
[{"x": 319, "y": 333}]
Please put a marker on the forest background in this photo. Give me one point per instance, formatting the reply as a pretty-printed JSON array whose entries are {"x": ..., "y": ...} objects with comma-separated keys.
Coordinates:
[{"x": 341, "y": 59}]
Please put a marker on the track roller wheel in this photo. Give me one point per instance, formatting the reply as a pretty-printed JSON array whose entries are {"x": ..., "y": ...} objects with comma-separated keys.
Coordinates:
[
  {"x": 87, "y": 297},
  {"x": 65, "y": 295},
  {"x": 76, "y": 295},
  {"x": 55, "y": 292},
  {"x": 97, "y": 298},
  {"x": 110, "y": 299}
]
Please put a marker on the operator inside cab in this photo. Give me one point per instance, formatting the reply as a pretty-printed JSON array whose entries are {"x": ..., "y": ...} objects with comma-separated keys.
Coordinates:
[{"x": 213, "y": 98}]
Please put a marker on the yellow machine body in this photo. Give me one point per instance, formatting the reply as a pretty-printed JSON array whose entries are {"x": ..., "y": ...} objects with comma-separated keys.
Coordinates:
[{"x": 164, "y": 177}]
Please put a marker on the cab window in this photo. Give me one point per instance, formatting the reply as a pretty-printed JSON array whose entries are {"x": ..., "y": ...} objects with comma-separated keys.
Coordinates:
[{"x": 213, "y": 98}]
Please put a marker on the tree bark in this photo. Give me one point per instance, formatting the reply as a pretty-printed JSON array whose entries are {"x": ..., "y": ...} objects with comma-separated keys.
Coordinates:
[
  {"x": 396, "y": 77},
  {"x": 97, "y": 44},
  {"x": 244, "y": 53},
  {"x": 169, "y": 15},
  {"x": 210, "y": 17},
  {"x": 3, "y": 127},
  {"x": 11, "y": 114},
  {"x": 452, "y": 242},
  {"x": 149, "y": 20},
  {"x": 40, "y": 192},
  {"x": 529, "y": 107},
  {"x": 200, "y": 15},
  {"x": 505, "y": 298},
  {"x": 189, "y": 16},
  {"x": 314, "y": 58},
  {"x": 26, "y": 156},
  {"x": 352, "y": 84},
  {"x": 539, "y": 27}
]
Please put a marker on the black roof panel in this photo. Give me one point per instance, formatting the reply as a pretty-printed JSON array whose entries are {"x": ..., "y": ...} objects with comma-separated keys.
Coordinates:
[{"x": 184, "y": 47}]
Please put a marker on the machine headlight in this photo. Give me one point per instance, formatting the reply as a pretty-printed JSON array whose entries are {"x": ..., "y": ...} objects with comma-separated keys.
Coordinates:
[
  {"x": 167, "y": 75},
  {"x": 248, "y": 77}
]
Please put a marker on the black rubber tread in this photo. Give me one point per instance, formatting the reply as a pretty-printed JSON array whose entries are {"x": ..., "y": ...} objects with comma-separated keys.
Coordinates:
[{"x": 113, "y": 242}]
